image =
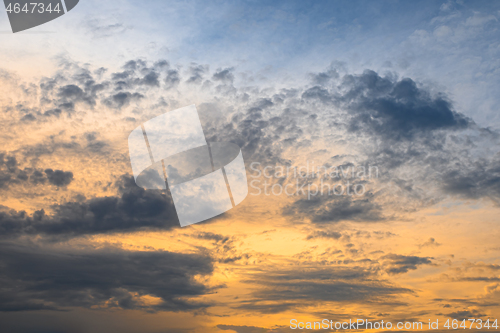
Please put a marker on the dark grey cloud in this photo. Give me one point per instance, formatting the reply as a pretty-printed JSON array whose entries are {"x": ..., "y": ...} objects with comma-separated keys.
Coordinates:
[
  {"x": 151, "y": 79},
  {"x": 94, "y": 144},
  {"x": 262, "y": 129},
  {"x": 71, "y": 87},
  {"x": 135, "y": 64},
  {"x": 59, "y": 144},
  {"x": 75, "y": 85},
  {"x": 325, "y": 234},
  {"x": 397, "y": 123},
  {"x": 481, "y": 179},
  {"x": 29, "y": 117},
  {"x": 478, "y": 279},
  {"x": 431, "y": 242},
  {"x": 281, "y": 290},
  {"x": 324, "y": 78},
  {"x": 137, "y": 73},
  {"x": 211, "y": 236},
  {"x": 72, "y": 94},
  {"x": 390, "y": 108},
  {"x": 59, "y": 177},
  {"x": 12, "y": 174},
  {"x": 9, "y": 161},
  {"x": 389, "y": 122},
  {"x": 241, "y": 329},
  {"x": 467, "y": 302},
  {"x": 255, "y": 329},
  {"x": 224, "y": 75},
  {"x": 134, "y": 209},
  {"x": 54, "y": 112},
  {"x": 121, "y": 99},
  {"x": 327, "y": 209},
  {"x": 121, "y": 75},
  {"x": 398, "y": 264},
  {"x": 196, "y": 73},
  {"x": 37, "y": 279},
  {"x": 223, "y": 248},
  {"x": 465, "y": 314},
  {"x": 172, "y": 79}
]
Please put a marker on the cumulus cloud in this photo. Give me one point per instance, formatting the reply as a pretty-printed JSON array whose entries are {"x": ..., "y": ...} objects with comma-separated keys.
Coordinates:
[
  {"x": 59, "y": 177},
  {"x": 134, "y": 209},
  {"x": 121, "y": 99},
  {"x": 196, "y": 73},
  {"x": 282, "y": 290},
  {"x": 172, "y": 79},
  {"x": 325, "y": 234},
  {"x": 414, "y": 136},
  {"x": 398, "y": 264},
  {"x": 12, "y": 174},
  {"x": 423, "y": 148},
  {"x": 224, "y": 75},
  {"x": 465, "y": 314},
  {"x": 39, "y": 279},
  {"x": 326, "y": 210},
  {"x": 481, "y": 179},
  {"x": 431, "y": 242}
]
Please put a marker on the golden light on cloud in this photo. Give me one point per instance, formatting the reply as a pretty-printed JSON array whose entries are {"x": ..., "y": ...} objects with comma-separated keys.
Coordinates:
[{"x": 371, "y": 195}]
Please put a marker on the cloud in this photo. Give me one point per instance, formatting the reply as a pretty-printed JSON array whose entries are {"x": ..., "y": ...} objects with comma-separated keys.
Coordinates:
[
  {"x": 423, "y": 148},
  {"x": 9, "y": 172},
  {"x": 196, "y": 73},
  {"x": 172, "y": 79},
  {"x": 151, "y": 79},
  {"x": 12, "y": 174},
  {"x": 465, "y": 314},
  {"x": 481, "y": 179},
  {"x": 282, "y": 290},
  {"x": 323, "y": 78},
  {"x": 121, "y": 99},
  {"x": 71, "y": 94},
  {"x": 100, "y": 28},
  {"x": 37, "y": 279},
  {"x": 398, "y": 264},
  {"x": 327, "y": 209},
  {"x": 254, "y": 329},
  {"x": 134, "y": 209},
  {"x": 325, "y": 234},
  {"x": 224, "y": 75},
  {"x": 431, "y": 243},
  {"x": 211, "y": 236},
  {"x": 390, "y": 108},
  {"x": 478, "y": 20},
  {"x": 241, "y": 329},
  {"x": 59, "y": 177}
]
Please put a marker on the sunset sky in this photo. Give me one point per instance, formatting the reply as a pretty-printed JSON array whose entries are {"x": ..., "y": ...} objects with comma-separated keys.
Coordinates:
[{"x": 406, "y": 88}]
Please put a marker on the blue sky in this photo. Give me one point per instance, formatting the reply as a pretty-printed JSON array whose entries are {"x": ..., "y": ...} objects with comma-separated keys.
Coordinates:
[{"x": 453, "y": 45}]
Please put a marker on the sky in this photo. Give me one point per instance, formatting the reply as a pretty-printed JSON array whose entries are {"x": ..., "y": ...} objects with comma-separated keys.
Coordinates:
[{"x": 396, "y": 99}]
